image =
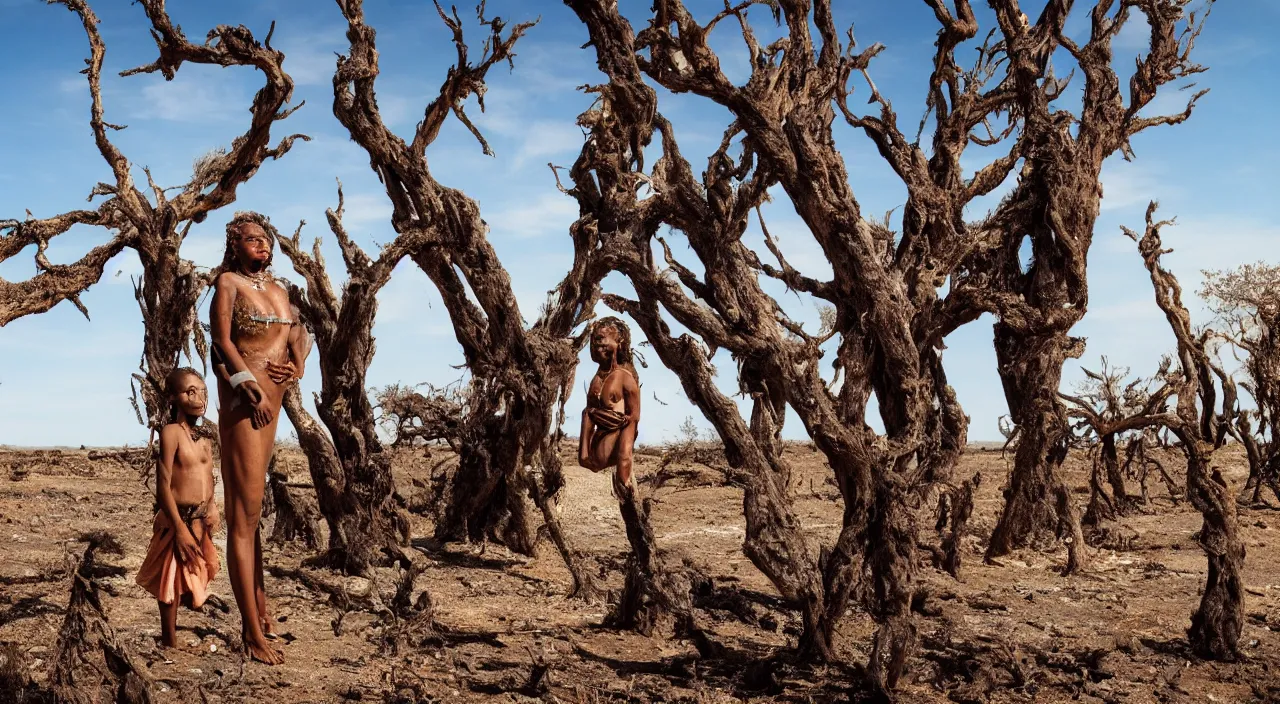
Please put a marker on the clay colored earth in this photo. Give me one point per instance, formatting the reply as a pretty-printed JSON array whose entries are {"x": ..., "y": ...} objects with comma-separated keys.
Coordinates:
[{"x": 1013, "y": 632}]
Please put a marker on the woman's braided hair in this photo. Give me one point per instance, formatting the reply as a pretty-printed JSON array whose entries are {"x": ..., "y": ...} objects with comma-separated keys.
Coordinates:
[{"x": 244, "y": 217}]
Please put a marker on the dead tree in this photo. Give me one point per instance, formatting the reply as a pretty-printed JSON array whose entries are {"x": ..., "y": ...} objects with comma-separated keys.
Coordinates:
[
  {"x": 520, "y": 377},
  {"x": 155, "y": 226},
  {"x": 355, "y": 491},
  {"x": 884, "y": 293},
  {"x": 415, "y": 417},
  {"x": 296, "y": 516},
  {"x": 1107, "y": 407},
  {"x": 1247, "y": 303},
  {"x": 327, "y": 474},
  {"x": 607, "y": 177},
  {"x": 91, "y": 663},
  {"x": 1054, "y": 206},
  {"x": 1200, "y": 428}
]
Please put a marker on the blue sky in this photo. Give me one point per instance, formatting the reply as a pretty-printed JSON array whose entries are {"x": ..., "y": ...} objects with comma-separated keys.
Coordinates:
[{"x": 65, "y": 380}]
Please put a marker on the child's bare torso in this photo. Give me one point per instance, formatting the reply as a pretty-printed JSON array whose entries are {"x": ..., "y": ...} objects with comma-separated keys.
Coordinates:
[
  {"x": 606, "y": 390},
  {"x": 192, "y": 479}
]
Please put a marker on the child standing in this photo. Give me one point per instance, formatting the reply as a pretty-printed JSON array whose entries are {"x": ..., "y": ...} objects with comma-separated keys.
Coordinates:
[{"x": 182, "y": 559}]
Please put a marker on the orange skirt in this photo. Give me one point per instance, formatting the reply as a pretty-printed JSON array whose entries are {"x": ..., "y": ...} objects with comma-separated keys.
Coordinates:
[{"x": 167, "y": 577}]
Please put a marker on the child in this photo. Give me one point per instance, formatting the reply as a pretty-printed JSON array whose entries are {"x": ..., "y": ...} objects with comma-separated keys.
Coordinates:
[
  {"x": 612, "y": 415},
  {"x": 182, "y": 559}
]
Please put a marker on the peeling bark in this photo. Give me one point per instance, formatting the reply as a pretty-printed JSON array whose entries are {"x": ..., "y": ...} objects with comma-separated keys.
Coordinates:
[
  {"x": 91, "y": 663},
  {"x": 520, "y": 377},
  {"x": 356, "y": 491}
]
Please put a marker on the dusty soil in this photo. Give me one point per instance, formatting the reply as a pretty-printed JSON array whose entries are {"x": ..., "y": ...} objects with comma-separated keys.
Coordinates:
[{"x": 1011, "y": 632}]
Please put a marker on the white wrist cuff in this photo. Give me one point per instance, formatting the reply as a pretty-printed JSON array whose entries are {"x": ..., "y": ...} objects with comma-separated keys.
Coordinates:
[{"x": 240, "y": 377}]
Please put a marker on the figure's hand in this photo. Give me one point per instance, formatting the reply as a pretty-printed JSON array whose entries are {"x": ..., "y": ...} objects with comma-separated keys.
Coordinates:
[
  {"x": 188, "y": 551},
  {"x": 261, "y": 414},
  {"x": 252, "y": 392},
  {"x": 281, "y": 373}
]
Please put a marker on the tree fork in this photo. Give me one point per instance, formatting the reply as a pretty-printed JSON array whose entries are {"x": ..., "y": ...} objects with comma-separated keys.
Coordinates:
[{"x": 366, "y": 526}]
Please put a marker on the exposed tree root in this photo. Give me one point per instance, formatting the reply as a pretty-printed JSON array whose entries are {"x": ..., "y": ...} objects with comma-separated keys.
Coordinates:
[{"x": 91, "y": 663}]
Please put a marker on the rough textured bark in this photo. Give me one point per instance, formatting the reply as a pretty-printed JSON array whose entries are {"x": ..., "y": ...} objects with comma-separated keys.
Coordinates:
[
  {"x": 91, "y": 663},
  {"x": 365, "y": 524},
  {"x": 155, "y": 227},
  {"x": 607, "y": 177},
  {"x": 1055, "y": 207},
  {"x": 1031, "y": 381},
  {"x": 884, "y": 304},
  {"x": 520, "y": 377},
  {"x": 296, "y": 517},
  {"x": 1197, "y": 422},
  {"x": 327, "y": 475}
]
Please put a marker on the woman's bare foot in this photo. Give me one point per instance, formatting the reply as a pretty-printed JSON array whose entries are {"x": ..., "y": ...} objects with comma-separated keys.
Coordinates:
[
  {"x": 263, "y": 653},
  {"x": 269, "y": 628}
]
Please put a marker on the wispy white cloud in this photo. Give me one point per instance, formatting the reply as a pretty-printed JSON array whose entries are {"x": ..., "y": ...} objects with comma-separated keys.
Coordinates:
[
  {"x": 310, "y": 58},
  {"x": 1122, "y": 312},
  {"x": 193, "y": 96},
  {"x": 551, "y": 213},
  {"x": 365, "y": 210},
  {"x": 1128, "y": 185}
]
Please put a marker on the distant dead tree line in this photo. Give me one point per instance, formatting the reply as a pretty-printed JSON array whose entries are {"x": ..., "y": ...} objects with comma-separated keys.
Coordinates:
[{"x": 893, "y": 296}]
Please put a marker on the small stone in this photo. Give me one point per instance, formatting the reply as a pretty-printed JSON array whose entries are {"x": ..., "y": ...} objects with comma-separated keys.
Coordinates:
[
  {"x": 358, "y": 586},
  {"x": 213, "y": 647}
]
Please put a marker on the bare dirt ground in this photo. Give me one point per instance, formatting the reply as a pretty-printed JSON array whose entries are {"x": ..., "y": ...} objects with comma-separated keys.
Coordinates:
[{"x": 1011, "y": 632}]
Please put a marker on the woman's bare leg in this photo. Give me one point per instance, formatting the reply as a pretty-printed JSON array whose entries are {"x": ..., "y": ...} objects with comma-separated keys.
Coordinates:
[
  {"x": 244, "y": 463},
  {"x": 602, "y": 451},
  {"x": 259, "y": 590}
]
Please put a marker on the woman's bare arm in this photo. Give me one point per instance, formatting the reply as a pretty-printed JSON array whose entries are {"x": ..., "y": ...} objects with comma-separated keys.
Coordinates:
[
  {"x": 584, "y": 440},
  {"x": 627, "y": 438},
  {"x": 224, "y": 298},
  {"x": 220, "y": 311},
  {"x": 299, "y": 345},
  {"x": 186, "y": 548}
]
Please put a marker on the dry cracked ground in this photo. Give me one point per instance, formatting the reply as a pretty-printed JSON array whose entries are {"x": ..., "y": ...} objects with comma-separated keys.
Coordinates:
[{"x": 1016, "y": 631}]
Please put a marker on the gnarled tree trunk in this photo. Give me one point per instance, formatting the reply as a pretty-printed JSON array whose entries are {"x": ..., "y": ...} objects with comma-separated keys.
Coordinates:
[
  {"x": 521, "y": 374},
  {"x": 1217, "y": 623},
  {"x": 155, "y": 228},
  {"x": 1031, "y": 371},
  {"x": 366, "y": 527}
]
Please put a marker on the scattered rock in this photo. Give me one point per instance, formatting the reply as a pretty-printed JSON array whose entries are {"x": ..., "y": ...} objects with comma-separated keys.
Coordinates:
[{"x": 358, "y": 586}]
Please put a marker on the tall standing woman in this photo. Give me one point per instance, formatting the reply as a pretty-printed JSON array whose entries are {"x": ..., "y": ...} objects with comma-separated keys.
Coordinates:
[{"x": 259, "y": 350}]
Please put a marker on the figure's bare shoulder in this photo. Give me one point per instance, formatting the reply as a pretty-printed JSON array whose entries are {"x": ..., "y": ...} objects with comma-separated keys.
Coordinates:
[
  {"x": 629, "y": 382},
  {"x": 171, "y": 440},
  {"x": 227, "y": 281},
  {"x": 170, "y": 432}
]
